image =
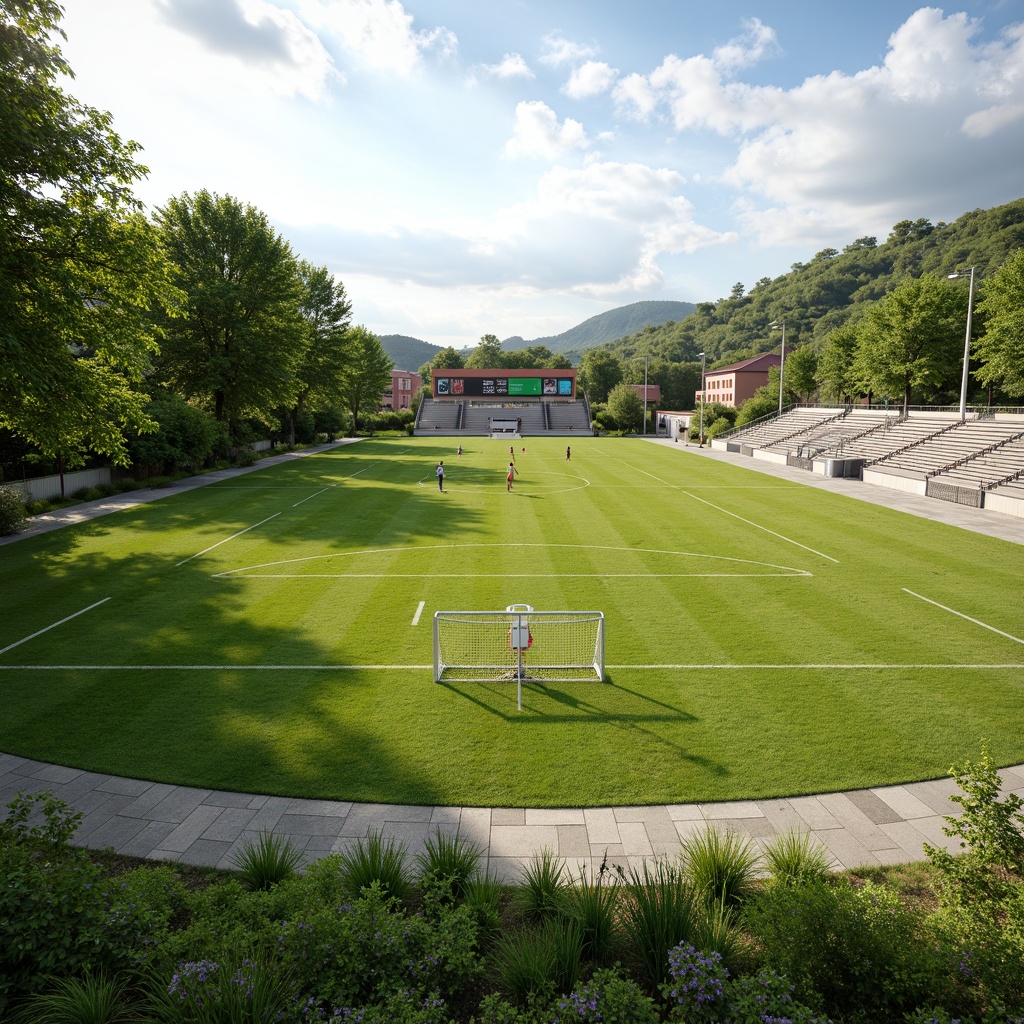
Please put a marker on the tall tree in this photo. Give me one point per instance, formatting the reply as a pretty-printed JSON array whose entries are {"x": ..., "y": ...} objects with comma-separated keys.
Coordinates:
[
  {"x": 908, "y": 343},
  {"x": 79, "y": 265},
  {"x": 327, "y": 313},
  {"x": 488, "y": 355},
  {"x": 1001, "y": 347},
  {"x": 626, "y": 406},
  {"x": 600, "y": 371},
  {"x": 835, "y": 373},
  {"x": 239, "y": 336},
  {"x": 801, "y": 367},
  {"x": 367, "y": 374}
]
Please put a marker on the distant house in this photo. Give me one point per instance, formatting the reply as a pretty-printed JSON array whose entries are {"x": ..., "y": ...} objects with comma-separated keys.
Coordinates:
[
  {"x": 733, "y": 385},
  {"x": 404, "y": 385}
]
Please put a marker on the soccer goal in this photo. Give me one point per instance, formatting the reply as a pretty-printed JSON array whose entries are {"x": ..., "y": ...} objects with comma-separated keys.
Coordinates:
[{"x": 518, "y": 644}]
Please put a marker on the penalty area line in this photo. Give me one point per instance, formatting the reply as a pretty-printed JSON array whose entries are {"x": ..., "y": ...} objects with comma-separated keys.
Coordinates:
[
  {"x": 321, "y": 491},
  {"x": 226, "y": 539},
  {"x": 419, "y": 612},
  {"x": 953, "y": 611},
  {"x": 18, "y": 643}
]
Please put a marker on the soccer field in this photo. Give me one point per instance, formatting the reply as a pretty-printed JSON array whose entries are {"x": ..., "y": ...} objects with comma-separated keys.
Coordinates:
[{"x": 272, "y": 633}]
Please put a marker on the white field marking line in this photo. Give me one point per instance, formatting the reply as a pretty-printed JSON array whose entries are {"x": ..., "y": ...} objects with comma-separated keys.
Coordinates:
[
  {"x": 757, "y": 526},
  {"x": 18, "y": 643},
  {"x": 977, "y": 622},
  {"x": 247, "y": 569},
  {"x": 215, "y": 668},
  {"x": 226, "y": 539},
  {"x": 419, "y": 612},
  {"x": 509, "y": 575},
  {"x": 321, "y": 491},
  {"x": 363, "y": 470},
  {"x": 813, "y": 667}
]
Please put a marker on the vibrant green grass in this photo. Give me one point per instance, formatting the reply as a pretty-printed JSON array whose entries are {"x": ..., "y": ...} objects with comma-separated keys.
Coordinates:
[{"x": 360, "y": 535}]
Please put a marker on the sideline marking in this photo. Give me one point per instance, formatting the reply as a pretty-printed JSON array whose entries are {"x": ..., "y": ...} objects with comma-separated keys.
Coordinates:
[
  {"x": 17, "y": 643},
  {"x": 363, "y": 470},
  {"x": 226, "y": 539},
  {"x": 419, "y": 612},
  {"x": 321, "y": 491},
  {"x": 977, "y": 622},
  {"x": 757, "y": 526},
  {"x": 813, "y": 667}
]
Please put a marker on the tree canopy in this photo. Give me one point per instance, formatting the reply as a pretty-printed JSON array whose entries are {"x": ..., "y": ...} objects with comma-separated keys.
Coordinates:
[
  {"x": 1002, "y": 346},
  {"x": 80, "y": 267}
]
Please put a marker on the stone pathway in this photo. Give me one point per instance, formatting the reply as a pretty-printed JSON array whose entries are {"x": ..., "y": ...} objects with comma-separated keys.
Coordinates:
[{"x": 885, "y": 825}]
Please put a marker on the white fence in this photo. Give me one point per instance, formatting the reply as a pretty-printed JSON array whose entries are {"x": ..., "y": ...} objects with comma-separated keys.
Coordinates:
[{"x": 49, "y": 486}]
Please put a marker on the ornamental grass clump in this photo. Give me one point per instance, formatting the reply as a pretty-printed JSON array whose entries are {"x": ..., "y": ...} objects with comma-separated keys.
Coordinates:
[
  {"x": 722, "y": 865},
  {"x": 447, "y": 865},
  {"x": 211, "y": 992},
  {"x": 592, "y": 902},
  {"x": 90, "y": 999},
  {"x": 539, "y": 896},
  {"x": 267, "y": 862},
  {"x": 539, "y": 961},
  {"x": 795, "y": 857},
  {"x": 374, "y": 860}
]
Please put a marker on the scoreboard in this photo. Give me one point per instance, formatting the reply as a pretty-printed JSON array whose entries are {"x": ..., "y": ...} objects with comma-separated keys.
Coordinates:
[{"x": 548, "y": 386}]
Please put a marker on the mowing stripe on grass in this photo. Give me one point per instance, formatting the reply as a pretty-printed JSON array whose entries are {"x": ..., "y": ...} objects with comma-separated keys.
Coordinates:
[
  {"x": 711, "y": 504},
  {"x": 18, "y": 643},
  {"x": 807, "y": 666},
  {"x": 419, "y": 612},
  {"x": 952, "y": 611},
  {"x": 226, "y": 539},
  {"x": 321, "y": 491}
]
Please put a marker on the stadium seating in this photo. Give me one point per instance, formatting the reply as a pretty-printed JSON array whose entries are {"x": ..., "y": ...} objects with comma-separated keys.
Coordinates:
[
  {"x": 957, "y": 443},
  {"x": 781, "y": 428}
]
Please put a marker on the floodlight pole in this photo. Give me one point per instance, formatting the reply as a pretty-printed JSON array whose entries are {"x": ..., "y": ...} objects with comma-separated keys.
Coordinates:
[
  {"x": 702, "y": 386},
  {"x": 645, "y": 396},
  {"x": 782, "y": 363},
  {"x": 967, "y": 340}
]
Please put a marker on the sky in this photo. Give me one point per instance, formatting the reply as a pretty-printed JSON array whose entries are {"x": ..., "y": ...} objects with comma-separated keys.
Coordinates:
[{"x": 513, "y": 167}]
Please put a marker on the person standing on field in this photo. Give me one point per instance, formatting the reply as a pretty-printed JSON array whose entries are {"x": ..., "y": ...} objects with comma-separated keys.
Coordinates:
[
  {"x": 511, "y": 474},
  {"x": 568, "y": 453},
  {"x": 460, "y": 451},
  {"x": 440, "y": 475}
]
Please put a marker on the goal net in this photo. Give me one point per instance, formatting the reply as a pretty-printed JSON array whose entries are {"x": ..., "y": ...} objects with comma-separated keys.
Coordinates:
[{"x": 523, "y": 645}]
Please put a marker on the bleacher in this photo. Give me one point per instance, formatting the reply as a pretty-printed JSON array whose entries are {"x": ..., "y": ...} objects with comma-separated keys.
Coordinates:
[
  {"x": 954, "y": 444},
  {"x": 434, "y": 415},
  {"x": 834, "y": 436},
  {"x": 568, "y": 417},
  {"x": 781, "y": 428},
  {"x": 988, "y": 467}
]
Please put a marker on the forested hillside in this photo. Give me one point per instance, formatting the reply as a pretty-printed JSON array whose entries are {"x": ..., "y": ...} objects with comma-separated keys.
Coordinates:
[
  {"x": 408, "y": 353},
  {"x": 607, "y": 326},
  {"x": 831, "y": 289}
]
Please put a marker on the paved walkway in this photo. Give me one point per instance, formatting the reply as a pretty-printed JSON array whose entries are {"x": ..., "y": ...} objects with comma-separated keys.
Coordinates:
[{"x": 885, "y": 825}]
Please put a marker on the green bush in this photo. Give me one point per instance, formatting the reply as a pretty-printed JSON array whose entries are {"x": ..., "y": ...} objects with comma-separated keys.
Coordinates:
[
  {"x": 448, "y": 863},
  {"x": 540, "y": 961},
  {"x": 855, "y": 953},
  {"x": 794, "y": 857},
  {"x": 12, "y": 510},
  {"x": 39, "y": 507},
  {"x": 374, "y": 861},
  {"x": 267, "y": 862},
  {"x": 721, "y": 865},
  {"x": 607, "y": 998}
]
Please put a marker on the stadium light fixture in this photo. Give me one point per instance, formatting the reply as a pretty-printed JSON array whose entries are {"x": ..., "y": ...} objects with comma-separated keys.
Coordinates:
[
  {"x": 967, "y": 340},
  {"x": 776, "y": 325},
  {"x": 702, "y": 396}
]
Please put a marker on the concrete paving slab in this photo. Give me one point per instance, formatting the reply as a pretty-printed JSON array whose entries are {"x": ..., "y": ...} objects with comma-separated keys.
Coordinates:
[
  {"x": 847, "y": 850},
  {"x": 601, "y": 825},
  {"x": 150, "y": 838},
  {"x": 555, "y": 816},
  {"x": 115, "y": 832},
  {"x": 573, "y": 841},
  {"x": 873, "y": 807},
  {"x": 685, "y": 812},
  {"x": 144, "y": 802},
  {"x": 508, "y": 870},
  {"x": 523, "y": 840},
  {"x": 8, "y": 762},
  {"x": 782, "y": 817},
  {"x": 814, "y": 813},
  {"x": 189, "y": 830},
  {"x": 508, "y": 816},
  {"x": 177, "y": 805},
  {"x": 903, "y": 802},
  {"x": 229, "y": 824},
  {"x": 241, "y": 800},
  {"x": 324, "y": 808},
  {"x": 131, "y": 787},
  {"x": 203, "y": 853},
  {"x": 635, "y": 840},
  {"x": 732, "y": 809},
  {"x": 310, "y": 825}
]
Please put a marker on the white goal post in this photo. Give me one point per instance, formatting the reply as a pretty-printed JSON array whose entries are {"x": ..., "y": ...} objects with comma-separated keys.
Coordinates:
[{"x": 517, "y": 645}]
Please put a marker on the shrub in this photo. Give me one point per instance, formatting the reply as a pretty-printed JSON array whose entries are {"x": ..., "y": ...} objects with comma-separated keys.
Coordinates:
[
  {"x": 374, "y": 861},
  {"x": 766, "y": 996},
  {"x": 267, "y": 862},
  {"x": 855, "y": 953},
  {"x": 543, "y": 880},
  {"x": 87, "y": 494},
  {"x": 794, "y": 857},
  {"x": 607, "y": 998},
  {"x": 696, "y": 985},
  {"x": 483, "y": 899},
  {"x": 39, "y": 507},
  {"x": 721, "y": 865},
  {"x": 990, "y": 832},
  {"x": 448, "y": 862},
  {"x": 12, "y": 510}
]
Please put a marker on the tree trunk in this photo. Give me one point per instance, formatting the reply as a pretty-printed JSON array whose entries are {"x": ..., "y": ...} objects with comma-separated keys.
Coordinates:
[{"x": 60, "y": 472}]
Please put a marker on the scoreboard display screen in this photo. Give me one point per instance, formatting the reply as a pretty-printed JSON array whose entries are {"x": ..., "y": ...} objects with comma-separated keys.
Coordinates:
[{"x": 503, "y": 387}]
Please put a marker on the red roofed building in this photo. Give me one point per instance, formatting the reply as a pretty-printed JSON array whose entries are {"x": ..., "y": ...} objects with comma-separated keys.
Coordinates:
[{"x": 733, "y": 385}]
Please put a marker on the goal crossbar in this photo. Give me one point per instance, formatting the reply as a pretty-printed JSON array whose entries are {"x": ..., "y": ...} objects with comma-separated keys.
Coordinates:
[{"x": 518, "y": 646}]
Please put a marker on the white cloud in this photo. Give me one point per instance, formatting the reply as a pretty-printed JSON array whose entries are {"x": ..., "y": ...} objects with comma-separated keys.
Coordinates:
[
  {"x": 757, "y": 42},
  {"x": 590, "y": 79},
  {"x": 558, "y": 51},
  {"x": 512, "y": 65},
  {"x": 538, "y": 133},
  {"x": 278, "y": 51},
  {"x": 378, "y": 33},
  {"x": 636, "y": 96}
]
